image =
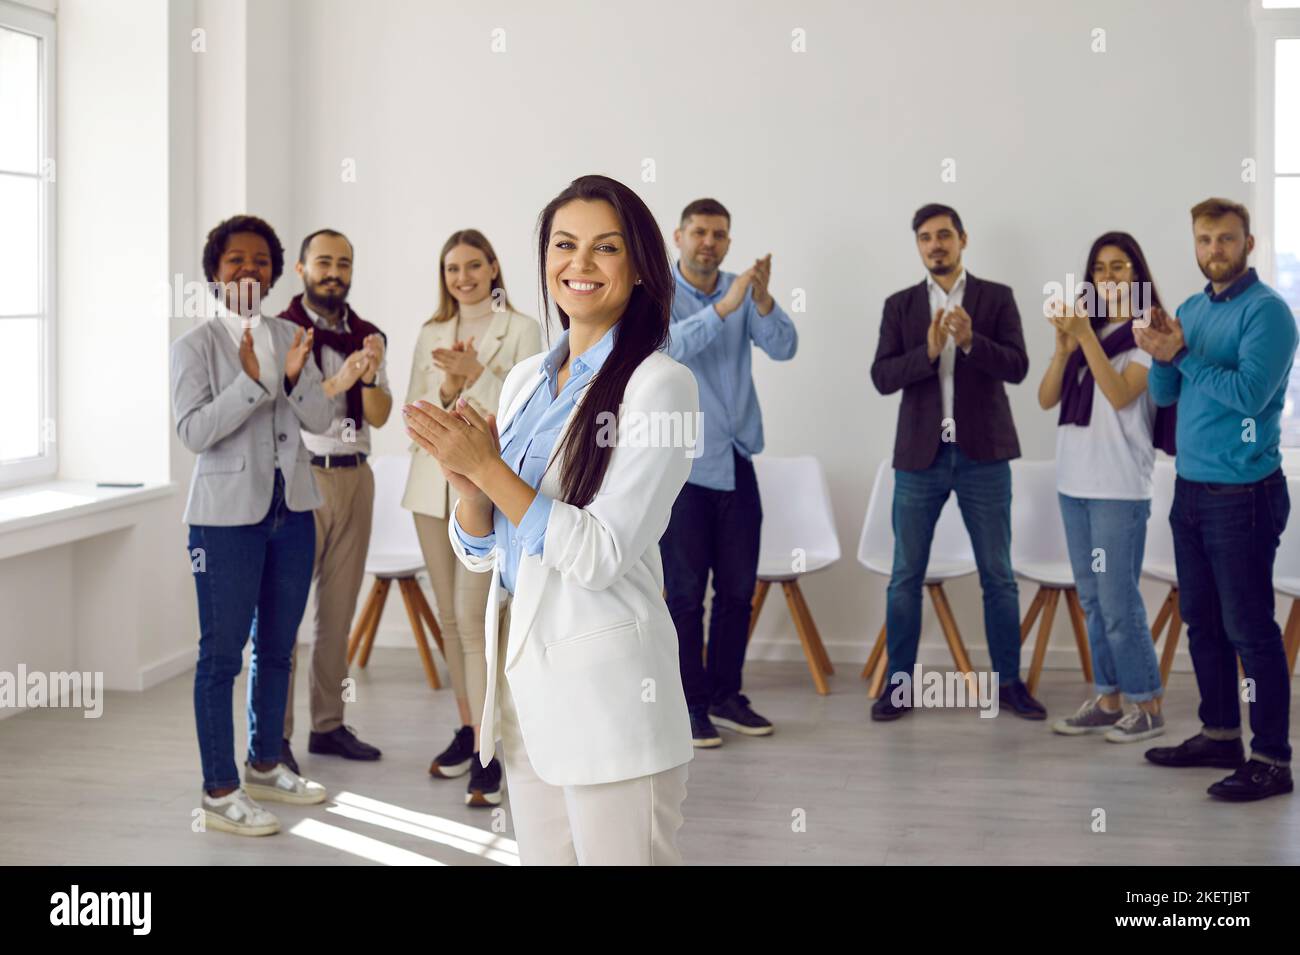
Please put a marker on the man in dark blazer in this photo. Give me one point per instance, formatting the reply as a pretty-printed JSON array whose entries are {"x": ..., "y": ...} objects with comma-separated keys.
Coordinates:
[{"x": 950, "y": 343}]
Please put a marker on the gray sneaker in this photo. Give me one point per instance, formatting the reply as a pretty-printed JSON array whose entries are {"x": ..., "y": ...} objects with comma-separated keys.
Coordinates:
[
  {"x": 1138, "y": 725},
  {"x": 1090, "y": 718}
]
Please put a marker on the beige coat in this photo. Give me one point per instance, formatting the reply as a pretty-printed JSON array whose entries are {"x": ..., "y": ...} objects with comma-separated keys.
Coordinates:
[{"x": 510, "y": 337}]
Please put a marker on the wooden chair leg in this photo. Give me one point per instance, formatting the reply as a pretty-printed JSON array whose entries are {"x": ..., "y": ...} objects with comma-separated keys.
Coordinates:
[
  {"x": 805, "y": 638},
  {"x": 1044, "y": 632},
  {"x": 1292, "y": 639},
  {"x": 1171, "y": 640},
  {"x": 877, "y": 649},
  {"x": 808, "y": 622},
  {"x": 948, "y": 624},
  {"x": 1034, "y": 609},
  {"x": 878, "y": 677},
  {"x": 368, "y": 609},
  {"x": 404, "y": 584},
  {"x": 1162, "y": 617},
  {"x": 760, "y": 594},
  {"x": 368, "y": 639},
  {"x": 426, "y": 612},
  {"x": 1080, "y": 624}
]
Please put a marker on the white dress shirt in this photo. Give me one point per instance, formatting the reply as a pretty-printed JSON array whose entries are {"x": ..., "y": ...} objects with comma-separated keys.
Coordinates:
[
  {"x": 269, "y": 371},
  {"x": 939, "y": 299}
]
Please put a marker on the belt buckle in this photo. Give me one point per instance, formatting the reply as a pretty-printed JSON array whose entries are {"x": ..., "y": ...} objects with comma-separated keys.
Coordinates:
[{"x": 327, "y": 462}]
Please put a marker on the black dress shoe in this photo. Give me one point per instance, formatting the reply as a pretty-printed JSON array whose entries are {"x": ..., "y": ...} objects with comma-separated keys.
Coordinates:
[
  {"x": 1200, "y": 750},
  {"x": 341, "y": 741},
  {"x": 1015, "y": 695},
  {"x": 884, "y": 710},
  {"x": 1254, "y": 780},
  {"x": 286, "y": 757}
]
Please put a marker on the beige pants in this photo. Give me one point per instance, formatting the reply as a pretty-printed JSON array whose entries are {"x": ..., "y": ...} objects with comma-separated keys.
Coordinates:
[
  {"x": 629, "y": 822},
  {"x": 461, "y": 596},
  {"x": 342, "y": 540}
]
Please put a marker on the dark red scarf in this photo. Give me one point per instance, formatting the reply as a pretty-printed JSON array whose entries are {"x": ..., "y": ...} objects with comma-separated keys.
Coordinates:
[{"x": 345, "y": 343}]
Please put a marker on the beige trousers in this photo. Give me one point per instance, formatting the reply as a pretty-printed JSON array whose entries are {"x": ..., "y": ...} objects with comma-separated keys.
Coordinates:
[
  {"x": 342, "y": 540},
  {"x": 629, "y": 822},
  {"x": 461, "y": 597}
]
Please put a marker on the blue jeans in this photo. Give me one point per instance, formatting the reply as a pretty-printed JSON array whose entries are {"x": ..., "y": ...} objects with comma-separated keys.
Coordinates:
[
  {"x": 263, "y": 569},
  {"x": 984, "y": 496},
  {"x": 1225, "y": 538},
  {"x": 1123, "y": 656}
]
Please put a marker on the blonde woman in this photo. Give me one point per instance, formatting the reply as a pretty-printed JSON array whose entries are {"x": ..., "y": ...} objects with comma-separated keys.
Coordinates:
[{"x": 464, "y": 351}]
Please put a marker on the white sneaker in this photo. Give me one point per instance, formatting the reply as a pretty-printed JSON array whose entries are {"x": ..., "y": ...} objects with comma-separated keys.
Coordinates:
[
  {"x": 237, "y": 813},
  {"x": 282, "y": 784}
]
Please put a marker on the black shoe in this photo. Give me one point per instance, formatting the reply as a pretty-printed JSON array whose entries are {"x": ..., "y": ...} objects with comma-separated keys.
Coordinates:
[
  {"x": 484, "y": 787},
  {"x": 884, "y": 709},
  {"x": 734, "y": 713},
  {"x": 1200, "y": 750},
  {"x": 286, "y": 757},
  {"x": 704, "y": 735},
  {"x": 455, "y": 759},
  {"x": 341, "y": 741},
  {"x": 1254, "y": 780},
  {"x": 1015, "y": 696}
]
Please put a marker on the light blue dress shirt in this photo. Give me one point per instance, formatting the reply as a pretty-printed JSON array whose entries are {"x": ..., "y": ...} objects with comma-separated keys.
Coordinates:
[
  {"x": 526, "y": 446},
  {"x": 719, "y": 351}
]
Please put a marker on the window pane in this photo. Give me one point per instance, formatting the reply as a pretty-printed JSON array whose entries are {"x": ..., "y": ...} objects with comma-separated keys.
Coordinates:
[
  {"x": 1286, "y": 238},
  {"x": 20, "y": 241},
  {"x": 20, "y": 388},
  {"x": 19, "y": 132},
  {"x": 1286, "y": 106}
]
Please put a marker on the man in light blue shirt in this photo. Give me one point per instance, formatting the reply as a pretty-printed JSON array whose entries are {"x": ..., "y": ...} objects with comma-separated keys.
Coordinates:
[{"x": 717, "y": 319}]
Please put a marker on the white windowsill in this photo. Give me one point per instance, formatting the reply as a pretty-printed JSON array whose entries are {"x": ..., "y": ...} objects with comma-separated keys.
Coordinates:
[{"x": 50, "y": 513}]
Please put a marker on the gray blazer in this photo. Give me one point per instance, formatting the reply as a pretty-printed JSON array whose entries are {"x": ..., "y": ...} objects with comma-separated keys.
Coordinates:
[{"x": 235, "y": 427}]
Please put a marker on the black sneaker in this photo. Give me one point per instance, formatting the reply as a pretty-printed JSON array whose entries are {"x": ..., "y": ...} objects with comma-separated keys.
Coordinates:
[
  {"x": 1200, "y": 750},
  {"x": 484, "y": 787},
  {"x": 704, "y": 735},
  {"x": 734, "y": 713},
  {"x": 1015, "y": 697},
  {"x": 341, "y": 741},
  {"x": 1254, "y": 780},
  {"x": 286, "y": 757},
  {"x": 884, "y": 709},
  {"x": 454, "y": 760}
]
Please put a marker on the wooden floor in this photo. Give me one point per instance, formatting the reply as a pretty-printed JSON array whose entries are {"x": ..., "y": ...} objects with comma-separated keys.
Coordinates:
[{"x": 940, "y": 786}]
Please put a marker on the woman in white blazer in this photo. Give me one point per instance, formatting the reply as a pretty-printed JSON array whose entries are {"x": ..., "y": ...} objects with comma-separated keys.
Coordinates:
[
  {"x": 566, "y": 510},
  {"x": 465, "y": 350}
]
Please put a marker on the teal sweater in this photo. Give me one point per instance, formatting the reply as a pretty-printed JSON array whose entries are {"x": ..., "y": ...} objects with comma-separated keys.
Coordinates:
[{"x": 1240, "y": 347}]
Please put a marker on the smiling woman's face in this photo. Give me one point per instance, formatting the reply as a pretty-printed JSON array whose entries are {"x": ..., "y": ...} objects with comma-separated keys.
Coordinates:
[
  {"x": 589, "y": 272},
  {"x": 244, "y": 271},
  {"x": 468, "y": 273}
]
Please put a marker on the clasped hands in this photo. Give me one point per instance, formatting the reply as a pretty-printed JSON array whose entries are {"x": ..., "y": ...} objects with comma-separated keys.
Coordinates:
[
  {"x": 462, "y": 441},
  {"x": 954, "y": 322}
]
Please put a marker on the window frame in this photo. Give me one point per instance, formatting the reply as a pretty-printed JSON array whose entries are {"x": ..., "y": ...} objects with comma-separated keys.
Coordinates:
[{"x": 41, "y": 25}]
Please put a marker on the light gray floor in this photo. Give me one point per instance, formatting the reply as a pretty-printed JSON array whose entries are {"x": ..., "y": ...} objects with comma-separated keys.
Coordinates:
[{"x": 936, "y": 787}]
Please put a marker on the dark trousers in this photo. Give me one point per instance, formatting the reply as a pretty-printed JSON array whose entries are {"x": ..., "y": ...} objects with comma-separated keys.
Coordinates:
[
  {"x": 718, "y": 531},
  {"x": 244, "y": 573},
  {"x": 1225, "y": 538}
]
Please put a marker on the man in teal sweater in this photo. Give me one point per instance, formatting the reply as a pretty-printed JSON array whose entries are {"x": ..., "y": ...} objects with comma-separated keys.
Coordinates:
[{"x": 1225, "y": 360}]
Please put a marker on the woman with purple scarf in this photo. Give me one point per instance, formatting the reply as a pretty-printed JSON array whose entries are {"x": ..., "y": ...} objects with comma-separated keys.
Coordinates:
[{"x": 1107, "y": 435}]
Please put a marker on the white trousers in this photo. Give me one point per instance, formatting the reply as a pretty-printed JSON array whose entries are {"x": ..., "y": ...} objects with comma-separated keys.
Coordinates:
[{"x": 629, "y": 822}]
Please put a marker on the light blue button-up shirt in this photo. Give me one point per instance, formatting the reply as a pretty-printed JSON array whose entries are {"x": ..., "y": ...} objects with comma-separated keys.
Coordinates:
[
  {"x": 526, "y": 445},
  {"x": 719, "y": 351}
]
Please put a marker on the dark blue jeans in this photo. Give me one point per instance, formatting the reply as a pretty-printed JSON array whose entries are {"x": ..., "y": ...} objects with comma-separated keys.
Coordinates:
[
  {"x": 263, "y": 569},
  {"x": 1225, "y": 538},
  {"x": 984, "y": 496},
  {"x": 718, "y": 531}
]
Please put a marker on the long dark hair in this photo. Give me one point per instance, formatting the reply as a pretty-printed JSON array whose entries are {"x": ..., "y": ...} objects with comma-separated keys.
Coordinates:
[
  {"x": 640, "y": 330},
  {"x": 1141, "y": 273}
]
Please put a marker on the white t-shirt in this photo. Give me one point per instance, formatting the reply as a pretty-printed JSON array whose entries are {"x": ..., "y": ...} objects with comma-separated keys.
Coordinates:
[{"x": 1113, "y": 457}]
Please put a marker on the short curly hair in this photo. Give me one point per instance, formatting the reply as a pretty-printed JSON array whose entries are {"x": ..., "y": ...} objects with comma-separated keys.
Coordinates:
[{"x": 219, "y": 238}]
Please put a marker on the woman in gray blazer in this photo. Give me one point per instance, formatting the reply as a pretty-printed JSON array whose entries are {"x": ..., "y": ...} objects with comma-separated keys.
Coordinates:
[{"x": 242, "y": 384}]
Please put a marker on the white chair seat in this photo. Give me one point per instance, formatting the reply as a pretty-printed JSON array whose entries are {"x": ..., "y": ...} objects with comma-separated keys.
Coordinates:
[
  {"x": 950, "y": 550},
  {"x": 775, "y": 569},
  {"x": 1046, "y": 573},
  {"x": 797, "y": 517},
  {"x": 394, "y": 565},
  {"x": 1287, "y": 586},
  {"x": 1164, "y": 573}
]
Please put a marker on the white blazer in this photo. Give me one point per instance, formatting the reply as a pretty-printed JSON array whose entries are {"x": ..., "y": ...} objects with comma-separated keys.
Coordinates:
[
  {"x": 592, "y": 651},
  {"x": 510, "y": 336}
]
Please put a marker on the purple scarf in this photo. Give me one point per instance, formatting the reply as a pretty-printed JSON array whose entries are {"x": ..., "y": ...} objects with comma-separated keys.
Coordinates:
[{"x": 1076, "y": 394}]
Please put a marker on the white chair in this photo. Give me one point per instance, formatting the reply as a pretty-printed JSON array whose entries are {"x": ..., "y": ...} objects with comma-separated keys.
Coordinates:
[
  {"x": 394, "y": 554},
  {"x": 1286, "y": 574},
  {"x": 1158, "y": 563},
  {"x": 951, "y": 557},
  {"x": 798, "y": 537},
  {"x": 1039, "y": 555}
]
